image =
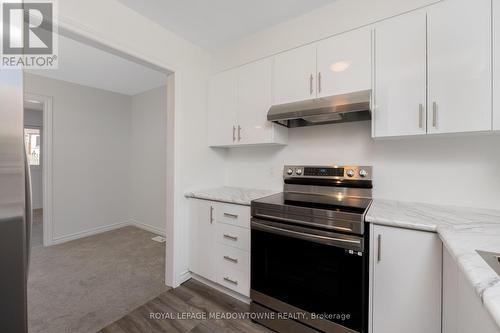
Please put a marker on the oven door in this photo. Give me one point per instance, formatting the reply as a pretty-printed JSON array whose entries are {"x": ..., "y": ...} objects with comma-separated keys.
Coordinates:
[{"x": 316, "y": 272}]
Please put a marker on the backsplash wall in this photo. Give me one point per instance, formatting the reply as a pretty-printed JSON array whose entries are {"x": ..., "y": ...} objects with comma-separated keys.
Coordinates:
[{"x": 451, "y": 170}]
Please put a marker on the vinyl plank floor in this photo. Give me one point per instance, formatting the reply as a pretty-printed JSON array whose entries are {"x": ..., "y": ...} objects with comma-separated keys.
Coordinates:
[{"x": 187, "y": 309}]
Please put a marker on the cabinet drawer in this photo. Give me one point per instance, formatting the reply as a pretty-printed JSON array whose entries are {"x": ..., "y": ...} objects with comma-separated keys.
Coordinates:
[
  {"x": 232, "y": 257},
  {"x": 233, "y": 278},
  {"x": 233, "y": 236},
  {"x": 234, "y": 214}
]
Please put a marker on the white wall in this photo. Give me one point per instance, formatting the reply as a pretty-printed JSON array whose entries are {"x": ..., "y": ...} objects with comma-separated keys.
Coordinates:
[
  {"x": 90, "y": 155},
  {"x": 444, "y": 170},
  {"x": 340, "y": 16},
  {"x": 456, "y": 170},
  {"x": 148, "y": 159},
  {"x": 193, "y": 165},
  {"x": 35, "y": 118}
]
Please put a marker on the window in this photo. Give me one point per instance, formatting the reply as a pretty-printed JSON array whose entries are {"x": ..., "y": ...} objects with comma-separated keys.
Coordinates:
[{"x": 32, "y": 140}]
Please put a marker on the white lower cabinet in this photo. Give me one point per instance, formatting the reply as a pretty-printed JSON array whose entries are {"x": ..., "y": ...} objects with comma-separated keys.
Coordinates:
[
  {"x": 219, "y": 244},
  {"x": 405, "y": 281},
  {"x": 202, "y": 237},
  {"x": 462, "y": 308}
]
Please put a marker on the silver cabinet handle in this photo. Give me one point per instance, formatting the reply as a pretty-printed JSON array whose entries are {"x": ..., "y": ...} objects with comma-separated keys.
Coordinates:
[
  {"x": 311, "y": 79},
  {"x": 239, "y": 133},
  {"x": 233, "y": 216},
  {"x": 319, "y": 82},
  {"x": 379, "y": 248},
  {"x": 231, "y": 280},
  {"x": 434, "y": 114},
  {"x": 234, "y": 133},
  {"x": 421, "y": 116},
  {"x": 233, "y": 238},
  {"x": 228, "y": 258},
  {"x": 211, "y": 214}
]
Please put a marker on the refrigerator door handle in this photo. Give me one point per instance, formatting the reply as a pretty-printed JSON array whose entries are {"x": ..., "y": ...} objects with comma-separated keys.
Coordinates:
[{"x": 29, "y": 211}]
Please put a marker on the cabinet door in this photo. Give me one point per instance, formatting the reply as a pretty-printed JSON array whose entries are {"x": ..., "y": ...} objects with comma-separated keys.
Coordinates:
[
  {"x": 254, "y": 101},
  {"x": 295, "y": 75},
  {"x": 406, "y": 286},
  {"x": 222, "y": 109},
  {"x": 202, "y": 238},
  {"x": 459, "y": 60},
  {"x": 400, "y": 76},
  {"x": 344, "y": 63},
  {"x": 463, "y": 311},
  {"x": 496, "y": 65}
]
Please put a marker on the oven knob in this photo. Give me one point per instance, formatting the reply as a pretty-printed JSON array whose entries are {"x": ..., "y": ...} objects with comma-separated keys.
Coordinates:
[
  {"x": 363, "y": 173},
  {"x": 289, "y": 172},
  {"x": 298, "y": 171},
  {"x": 350, "y": 173}
]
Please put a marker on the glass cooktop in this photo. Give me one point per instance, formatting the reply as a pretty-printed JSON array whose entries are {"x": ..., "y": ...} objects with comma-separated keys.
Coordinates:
[{"x": 319, "y": 201}]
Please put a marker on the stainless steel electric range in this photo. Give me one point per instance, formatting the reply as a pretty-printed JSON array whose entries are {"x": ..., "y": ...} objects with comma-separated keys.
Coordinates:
[{"x": 309, "y": 255}]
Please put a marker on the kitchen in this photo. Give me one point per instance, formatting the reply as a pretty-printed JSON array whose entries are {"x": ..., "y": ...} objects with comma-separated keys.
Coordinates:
[
  {"x": 431, "y": 133},
  {"x": 340, "y": 164}
]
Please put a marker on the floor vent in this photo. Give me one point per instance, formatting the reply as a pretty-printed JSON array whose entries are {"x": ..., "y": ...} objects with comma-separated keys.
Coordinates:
[{"x": 159, "y": 239}]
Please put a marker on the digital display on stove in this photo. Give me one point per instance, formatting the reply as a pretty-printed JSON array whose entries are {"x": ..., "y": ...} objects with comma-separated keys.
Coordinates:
[{"x": 324, "y": 172}]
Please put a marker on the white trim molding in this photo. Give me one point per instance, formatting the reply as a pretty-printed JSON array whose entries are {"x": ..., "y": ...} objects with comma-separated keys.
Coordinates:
[
  {"x": 47, "y": 171},
  {"x": 147, "y": 227},
  {"x": 89, "y": 232},
  {"x": 110, "y": 227}
]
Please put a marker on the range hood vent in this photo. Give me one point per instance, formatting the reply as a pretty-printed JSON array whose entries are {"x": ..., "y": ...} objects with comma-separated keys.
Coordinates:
[{"x": 328, "y": 110}]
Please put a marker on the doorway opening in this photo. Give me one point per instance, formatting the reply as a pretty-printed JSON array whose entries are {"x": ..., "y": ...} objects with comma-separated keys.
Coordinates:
[{"x": 35, "y": 108}]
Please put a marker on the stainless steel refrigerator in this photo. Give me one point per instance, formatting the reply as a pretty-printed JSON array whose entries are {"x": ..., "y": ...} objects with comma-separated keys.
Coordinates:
[{"x": 15, "y": 206}]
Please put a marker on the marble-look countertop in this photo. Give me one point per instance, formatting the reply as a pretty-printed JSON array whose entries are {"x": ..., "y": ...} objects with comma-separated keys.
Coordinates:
[
  {"x": 234, "y": 195},
  {"x": 462, "y": 230}
]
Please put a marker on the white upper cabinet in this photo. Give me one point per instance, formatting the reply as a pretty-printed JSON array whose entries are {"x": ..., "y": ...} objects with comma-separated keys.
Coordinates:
[
  {"x": 222, "y": 109},
  {"x": 239, "y": 100},
  {"x": 295, "y": 75},
  {"x": 496, "y": 65},
  {"x": 344, "y": 63},
  {"x": 400, "y": 76},
  {"x": 254, "y": 98},
  {"x": 459, "y": 66}
]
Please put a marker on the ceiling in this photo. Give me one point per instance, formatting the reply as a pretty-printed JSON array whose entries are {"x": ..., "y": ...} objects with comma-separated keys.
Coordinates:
[
  {"x": 214, "y": 23},
  {"x": 86, "y": 65}
]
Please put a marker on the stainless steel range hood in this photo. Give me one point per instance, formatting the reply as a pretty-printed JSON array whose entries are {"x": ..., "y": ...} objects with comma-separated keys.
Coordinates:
[{"x": 327, "y": 110}]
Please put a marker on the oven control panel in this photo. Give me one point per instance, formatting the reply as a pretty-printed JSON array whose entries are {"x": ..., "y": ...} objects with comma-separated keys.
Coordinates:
[{"x": 336, "y": 172}]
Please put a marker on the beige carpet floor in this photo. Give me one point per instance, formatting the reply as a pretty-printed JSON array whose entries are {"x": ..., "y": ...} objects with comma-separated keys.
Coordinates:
[
  {"x": 37, "y": 228},
  {"x": 84, "y": 285}
]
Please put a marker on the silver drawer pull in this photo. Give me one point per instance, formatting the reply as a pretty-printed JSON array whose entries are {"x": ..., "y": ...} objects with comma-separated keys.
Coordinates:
[
  {"x": 231, "y": 259},
  {"x": 231, "y": 281},
  {"x": 379, "y": 248},
  {"x": 434, "y": 114},
  {"x": 234, "y": 238},
  {"x": 420, "y": 116},
  {"x": 233, "y": 216}
]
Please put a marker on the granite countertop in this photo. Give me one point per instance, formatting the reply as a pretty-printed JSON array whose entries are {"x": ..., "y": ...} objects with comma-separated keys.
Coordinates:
[
  {"x": 234, "y": 195},
  {"x": 462, "y": 230}
]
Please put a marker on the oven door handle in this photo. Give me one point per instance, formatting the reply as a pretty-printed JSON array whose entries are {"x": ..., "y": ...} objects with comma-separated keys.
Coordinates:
[{"x": 351, "y": 244}]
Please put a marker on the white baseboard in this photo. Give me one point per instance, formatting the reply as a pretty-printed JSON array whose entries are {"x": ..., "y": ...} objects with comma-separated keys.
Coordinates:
[
  {"x": 147, "y": 227},
  {"x": 99, "y": 230},
  {"x": 89, "y": 232},
  {"x": 186, "y": 275}
]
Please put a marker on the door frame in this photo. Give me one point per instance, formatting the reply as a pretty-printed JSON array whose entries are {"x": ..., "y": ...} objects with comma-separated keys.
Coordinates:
[
  {"x": 93, "y": 38},
  {"x": 47, "y": 172}
]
